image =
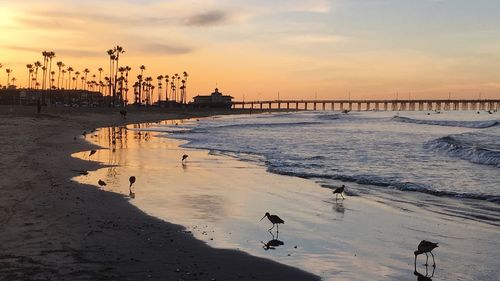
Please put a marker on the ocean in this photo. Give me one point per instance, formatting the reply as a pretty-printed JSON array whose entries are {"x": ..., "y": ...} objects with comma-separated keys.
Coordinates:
[
  {"x": 451, "y": 154},
  {"x": 409, "y": 176}
]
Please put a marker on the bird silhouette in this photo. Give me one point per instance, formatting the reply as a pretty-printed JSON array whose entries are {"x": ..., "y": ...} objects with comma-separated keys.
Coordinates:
[
  {"x": 101, "y": 183},
  {"x": 130, "y": 192},
  {"x": 339, "y": 190},
  {"x": 74, "y": 138},
  {"x": 425, "y": 247},
  {"x": 274, "y": 219},
  {"x": 131, "y": 180},
  {"x": 92, "y": 152},
  {"x": 184, "y": 157}
]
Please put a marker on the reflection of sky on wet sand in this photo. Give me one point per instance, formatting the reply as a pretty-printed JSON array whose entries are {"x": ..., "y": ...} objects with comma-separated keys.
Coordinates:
[{"x": 221, "y": 201}]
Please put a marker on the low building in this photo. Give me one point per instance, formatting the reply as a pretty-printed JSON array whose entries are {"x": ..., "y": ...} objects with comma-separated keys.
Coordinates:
[{"x": 216, "y": 99}]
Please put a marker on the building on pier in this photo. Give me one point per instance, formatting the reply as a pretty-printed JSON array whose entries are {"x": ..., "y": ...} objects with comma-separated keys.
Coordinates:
[{"x": 216, "y": 100}]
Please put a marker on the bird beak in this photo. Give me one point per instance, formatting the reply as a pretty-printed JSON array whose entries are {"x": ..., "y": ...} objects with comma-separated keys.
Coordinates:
[{"x": 262, "y": 217}]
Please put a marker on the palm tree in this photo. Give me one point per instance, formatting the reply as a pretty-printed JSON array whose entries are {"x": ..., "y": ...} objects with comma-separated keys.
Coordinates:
[
  {"x": 138, "y": 98},
  {"x": 83, "y": 82},
  {"x": 185, "y": 74},
  {"x": 76, "y": 79},
  {"x": 166, "y": 87},
  {"x": 13, "y": 81},
  {"x": 9, "y": 71},
  {"x": 127, "y": 70},
  {"x": 1, "y": 65},
  {"x": 148, "y": 87},
  {"x": 100, "y": 80},
  {"x": 112, "y": 57},
  {"x": 117, "y": 51},
  {"x": 31, "y": 76},
  {"x": 86, "y": 71},
  {"x": 29, "y": 66},
  {"x": 160, "y": 78},
  {"x": 45, "y": 55},
  {"x": 62, "y": 78},
  {"x": 52, "y": 80},
  {"x": 51, "y": 55},
  {"x": 60, "y": 65},
  {"x": 70, "y": 69},
  {"x": 37, "y": 65},
  {"x": 172, "y": 90},
  {"x": 183, "y": 91}
]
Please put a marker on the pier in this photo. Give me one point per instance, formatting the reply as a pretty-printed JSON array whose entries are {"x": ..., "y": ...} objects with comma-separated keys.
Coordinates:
[{"x": 377, "y": 105}]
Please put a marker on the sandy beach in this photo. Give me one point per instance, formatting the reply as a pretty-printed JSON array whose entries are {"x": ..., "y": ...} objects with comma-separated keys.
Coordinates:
[{"x": 54, "y": 228}]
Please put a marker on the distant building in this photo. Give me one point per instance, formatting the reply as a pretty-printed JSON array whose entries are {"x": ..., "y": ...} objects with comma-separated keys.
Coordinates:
[{"x": 216, "y": 99}]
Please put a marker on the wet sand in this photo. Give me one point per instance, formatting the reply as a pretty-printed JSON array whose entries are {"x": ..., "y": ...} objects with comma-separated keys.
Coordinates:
[
  {"x": 54, "y": 228},
  {"x": 220, "y": 200}
]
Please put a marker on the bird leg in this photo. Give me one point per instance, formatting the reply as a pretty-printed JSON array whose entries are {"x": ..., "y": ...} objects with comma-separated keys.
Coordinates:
[
  {"x": 271, "y": 227},
  {"x": 336, "y": 196},
  {"x": 433, "y": 261},
  {"x": 277, "y": 228},
  {"x": 342, "y": 196},
  {"x": 415, "y": 262},
  {"x": 427, "y": 259}
]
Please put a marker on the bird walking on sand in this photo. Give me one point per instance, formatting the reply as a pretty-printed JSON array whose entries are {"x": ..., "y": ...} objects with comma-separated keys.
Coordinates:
[
  {"x": 101, "y": 183},
  {"x": 339, "y": 190},
  {"x": 184, "y": 157},
  {"x": 132, "y": 181},
  {"x": 92, "y": 152},
  {"x": 274, "y": 219},
  {"x": 426, "y": 247}
]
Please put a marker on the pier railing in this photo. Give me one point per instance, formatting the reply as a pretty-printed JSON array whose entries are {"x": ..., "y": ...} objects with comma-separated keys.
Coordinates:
[{"x": 412, "y": 105}]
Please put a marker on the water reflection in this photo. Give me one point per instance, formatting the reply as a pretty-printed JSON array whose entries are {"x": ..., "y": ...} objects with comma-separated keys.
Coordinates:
[
  {"x": 273, "y": 243},
  {"x": 339, "y": 207}
]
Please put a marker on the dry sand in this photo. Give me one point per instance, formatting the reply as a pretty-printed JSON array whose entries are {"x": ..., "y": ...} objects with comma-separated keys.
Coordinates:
[{"x": 55, "y": 229}]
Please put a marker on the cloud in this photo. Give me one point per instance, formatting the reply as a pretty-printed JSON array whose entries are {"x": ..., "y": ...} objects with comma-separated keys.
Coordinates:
[
  {"x": 63, "y": 52},
  {"x": 165, "y": 49},
  {"x": 207, "y": 19}
]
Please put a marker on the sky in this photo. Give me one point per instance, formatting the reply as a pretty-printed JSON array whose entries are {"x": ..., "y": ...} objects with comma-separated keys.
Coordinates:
[{"x": 325, "y": 49}]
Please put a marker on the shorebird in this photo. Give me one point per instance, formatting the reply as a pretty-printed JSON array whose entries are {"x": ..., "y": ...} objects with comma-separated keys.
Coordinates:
[
  {"x": 131, "y": 180},
  {"x": 130, "y": 192},
  {"x": 274, "y": 219},
  {"x": 339, "y": 190},
  {"x": 92, "y": 152},
  {"x": 101, "y": 183},
  {"x": 184, "y": 157},
  {"x": 426, "y": 247}
]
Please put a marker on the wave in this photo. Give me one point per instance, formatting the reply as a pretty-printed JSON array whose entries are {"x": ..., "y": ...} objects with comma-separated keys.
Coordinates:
[
  {"x": 255, "y": 125},
  {"x": 477, "y": 148},
  {"x": 390, "y": 183},
  {"x": 450, "y": 123}
]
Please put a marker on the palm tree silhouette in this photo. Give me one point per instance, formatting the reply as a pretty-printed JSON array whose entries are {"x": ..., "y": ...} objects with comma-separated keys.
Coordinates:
[
  {"x": 52, "y": 80},
  {"x": 62, "y": 78},
  {"x": 76, "y": 79},
  {"x": 70, "y": 69},
  {"x": 13, "y": 81},
  {"x": 166, "y": 87},
  {"x": 9, "y": 71},
  {"x": 29, "y": 66},
  {"x": 160, "y": 78},
  {"x": 1, "y": 65},
  {"x": 37, "y": 65},
  {"x": 100, "y": 80},
  {"x": 60, "y": 65},
  {"x": 86, "y": 71},
  {"x": 112, "y": 57},
  {"x": 50, "y": 56},
  {"x": 185, "y": 74}
]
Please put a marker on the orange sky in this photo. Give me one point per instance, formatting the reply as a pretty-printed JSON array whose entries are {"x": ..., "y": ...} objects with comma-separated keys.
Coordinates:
[{"x": 301, "y": 49}]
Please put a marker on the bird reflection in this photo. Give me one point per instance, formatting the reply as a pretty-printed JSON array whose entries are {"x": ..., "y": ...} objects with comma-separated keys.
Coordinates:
[
  {"x": 339, "y": 207},
  {"x": 273, "y": 243},
  {"x": 426, "y": 277}
]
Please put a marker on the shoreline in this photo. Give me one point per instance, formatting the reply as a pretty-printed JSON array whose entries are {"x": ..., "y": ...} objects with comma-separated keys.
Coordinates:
[{"x": 55, "y": 228}]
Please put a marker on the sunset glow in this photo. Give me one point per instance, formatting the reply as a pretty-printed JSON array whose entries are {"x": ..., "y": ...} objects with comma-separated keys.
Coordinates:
[{"x": 301, "y": 49}]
